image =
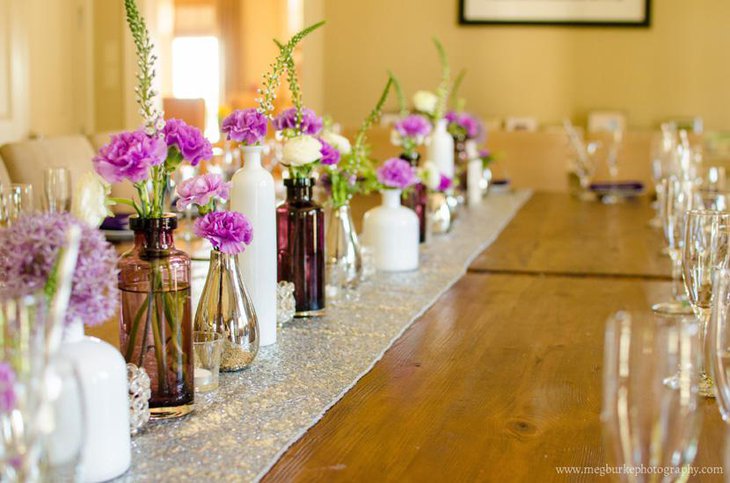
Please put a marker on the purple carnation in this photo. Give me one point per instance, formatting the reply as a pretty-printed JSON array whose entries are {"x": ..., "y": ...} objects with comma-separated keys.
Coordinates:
[
  {"x": 464, "y": 124},
  {"x": 8, "y": 397},
  {"x": 484, "y": 153},
  {"x": 445, "y": 183},
  {"x": 129, "y": 155},
  {"x": 413, "y": 126},
  {"x": 311, "y": 124},
  {"x": 201, "y": 189},
  {"x": 330, "y": 155},
  {"x": 227, "y": 231},
  {"x": 188, "y": 140},
  {"x": 397, "y": 173},
  {"x": 246, "y": 126},
  {"x": 28, "y": 251}
]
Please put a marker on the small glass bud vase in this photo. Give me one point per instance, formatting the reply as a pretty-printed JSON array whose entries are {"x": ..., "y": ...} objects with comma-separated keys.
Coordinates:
[
  {"x": 344, "y": 260},
  {"x": 226, "y": 308}
]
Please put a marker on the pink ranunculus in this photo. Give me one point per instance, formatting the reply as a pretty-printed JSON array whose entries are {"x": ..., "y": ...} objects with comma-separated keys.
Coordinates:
[
  {"x": 201, "y": 189},
  {"x": 228, "y": 231},
  {"x": 246, "y": 126},
  {"x": 188, "y": 140},
  {"x": 129, "y": 155}
]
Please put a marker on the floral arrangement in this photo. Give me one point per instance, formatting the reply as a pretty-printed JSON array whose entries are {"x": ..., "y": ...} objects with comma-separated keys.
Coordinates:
[
  {"x": 8, "y": 398},
  {"x": 396, "y": 173},
  {"x": 28, "y": 253},
  {"x": 463, "y": 126},
  {"x": 410, "y": 132},
  {"x": 433, "y": 105},
  {"x": 228, "y": 231},
  {"x": 433, "y": 179},
  {"x": 487, "y": 157},
  {"x": 247, "y": 126}
]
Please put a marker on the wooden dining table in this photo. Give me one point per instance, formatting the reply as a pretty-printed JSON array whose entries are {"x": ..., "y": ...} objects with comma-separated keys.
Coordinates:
[{"x": 501, "y": 379}]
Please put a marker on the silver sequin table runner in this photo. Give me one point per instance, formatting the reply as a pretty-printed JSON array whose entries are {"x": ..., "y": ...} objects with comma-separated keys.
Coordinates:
[{"x": 238, "y": 432}]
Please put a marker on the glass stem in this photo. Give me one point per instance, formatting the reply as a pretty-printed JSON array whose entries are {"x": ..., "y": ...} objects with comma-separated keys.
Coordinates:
[{"x": 677, "y": 288}]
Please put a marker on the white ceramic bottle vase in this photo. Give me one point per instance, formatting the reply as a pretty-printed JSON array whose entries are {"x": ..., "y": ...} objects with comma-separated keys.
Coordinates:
[
  {"x": 391, "y": 231},
  {"x": 252, "y": 193},
  {"x": 107, "y": 451},
  {"x": 441, "y": 149}
]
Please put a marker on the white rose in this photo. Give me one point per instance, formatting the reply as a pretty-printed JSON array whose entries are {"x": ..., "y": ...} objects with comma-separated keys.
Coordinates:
[
  {"x": 89, "y": 203},
  {"x": 340, "y": 143},
  {"x": 301, "y": 150},
  {"x": 430, "y": 175},
  {"x": 425, "y": 101}
]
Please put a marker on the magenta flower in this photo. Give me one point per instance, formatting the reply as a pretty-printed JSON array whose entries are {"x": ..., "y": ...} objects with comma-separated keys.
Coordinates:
[
  {"x": 8, "y": 397},
  {"x": 200, "y": 190},
  {"x": 188, "y": 140},
  {"x": 396, "y": 173},
  {"x": 445, "y": 183},
  {"x": 484, "y": 153},
  {"x": 129, "y": 155},
  {"x": 414, "y": 126},
  {"x": 463, "y": 125},
  {"x": 246, "y": 126},
  {"x": 311, "y": 123},
  {"x": 28, "y": 252},
  {"x": 330, "y": 155},
  {"x": 228, "y": 231}
]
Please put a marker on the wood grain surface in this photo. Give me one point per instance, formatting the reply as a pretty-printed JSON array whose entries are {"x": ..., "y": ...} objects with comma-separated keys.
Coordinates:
[
  {"x": 499, "y": 381},
  {"x": 560, "y": 235}
]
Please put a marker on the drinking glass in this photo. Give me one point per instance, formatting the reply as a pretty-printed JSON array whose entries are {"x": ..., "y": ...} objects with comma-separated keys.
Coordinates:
[
  {"x": 677, "y": 200},
  {"x": 705, "y": 251},
  {"x": 718, "y": 334},
  {"x": 15, "y": 200},
  {"x": 64, "y": 443},
  {"x": 57, "y": 190},
  {"x": 712, "y": 178},
  {"x": 208, "y": 350},
  {"x": 711, "y": 200},
  {"x": 650, "y": 411}
]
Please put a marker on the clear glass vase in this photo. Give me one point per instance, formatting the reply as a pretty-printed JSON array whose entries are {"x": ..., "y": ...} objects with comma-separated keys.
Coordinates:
[
  {"x": 225, "y": 307},
  {"x": 300, "y": 246},
  {"x": 156, "y": 325},
  {"x": 344, "y": 258},
  {"x": 416, "y": 198}
]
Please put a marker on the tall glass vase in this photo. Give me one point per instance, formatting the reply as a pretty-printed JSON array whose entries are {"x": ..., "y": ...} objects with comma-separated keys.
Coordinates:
[
  {"x": 156, "y": 325},
  {"x": 301, "y": 245},
  {"x": 225, "y": 307},
  {"x": 344, "y": 259},
  {"x": 416, "y": 199}
]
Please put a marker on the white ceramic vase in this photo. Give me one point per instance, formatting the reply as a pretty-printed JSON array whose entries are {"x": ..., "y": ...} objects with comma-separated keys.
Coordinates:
[
  {"x": 441, "y": 149},
  {"x": 474, "y": 179},
  {"x": 391, "y": 231},
  {"x": 107, "y": 450},
  {"x": 253, "y": 194}
]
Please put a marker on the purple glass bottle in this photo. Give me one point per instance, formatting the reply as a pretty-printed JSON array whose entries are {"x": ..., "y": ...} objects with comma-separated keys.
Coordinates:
[
  {"x": 156, "y": 326},
  {"x": 300, "y": 251},
  {"x": 416, "y": 198}
]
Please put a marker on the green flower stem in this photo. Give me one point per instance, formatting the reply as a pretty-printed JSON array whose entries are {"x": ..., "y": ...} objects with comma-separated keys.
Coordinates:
[
  {"x": 159, "y": 350},
  {"x": 135, "y": 328}
]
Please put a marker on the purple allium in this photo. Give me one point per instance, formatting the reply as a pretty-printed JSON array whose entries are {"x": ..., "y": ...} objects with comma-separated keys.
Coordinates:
[
  {"x": 445, "y": 183},
  {"x": 414, "y": 126},
  {"x": 201, "y": 189},
  {"x": 129, "y": 155},
  {"x": 396, "y": 173},
  {"x": 227, "y": 231},
  {"x": 188, "y": 140},
  {"x": 8, "y": 397},
  {"x": 330, "y": 155},
  {"x": 311, "y": 124},
  {"x": 28, "y": 252},
  {"x": 464, "y": 125},
  {"x": 246, "y": 126}
]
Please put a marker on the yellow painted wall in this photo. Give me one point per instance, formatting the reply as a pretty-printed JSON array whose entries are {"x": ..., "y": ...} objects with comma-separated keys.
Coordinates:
[{"x": 677, "y": 67}]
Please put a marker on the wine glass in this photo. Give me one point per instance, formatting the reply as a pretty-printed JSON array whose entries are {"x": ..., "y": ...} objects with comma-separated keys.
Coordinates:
[
  {"x": 712, "y": 178},
  {"x": 705, "y": 251},
  {"x": 57, "y": 190},
  {"x": 718, "y": 334},
  {"x": 650, "y": 411},
  {"x": 677, "y": 200},
  {"x": 711, "y": 200}
]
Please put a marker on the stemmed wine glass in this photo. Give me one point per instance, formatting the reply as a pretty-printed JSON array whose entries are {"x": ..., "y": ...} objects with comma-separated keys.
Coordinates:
[
  {"x": 650, "y": 411},
  {"x": 718, "y": 334},
  {"x": 677, "y": 200},
  {"x": 57, "y": 190},
  {"x": 705, "y": 251}
]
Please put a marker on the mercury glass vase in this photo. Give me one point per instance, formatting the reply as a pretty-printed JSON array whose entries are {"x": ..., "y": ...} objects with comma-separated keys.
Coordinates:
[
  {"x": 344, "y": 260},
  {"x": 439, "y": 213},
  {"x": 156, "y": 325},
  {"x": 301, "y": 246},
  {"x": 226, "y": 307},
  {"x": 416, "y": 199}
]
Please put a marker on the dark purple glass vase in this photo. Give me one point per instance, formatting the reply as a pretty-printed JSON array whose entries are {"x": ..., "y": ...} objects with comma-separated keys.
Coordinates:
[
  {"x": 416, "y": 198},
  {"x": 300, "y": 251},
  {"x": 461, "y": 161},
  {"x": 156, "y": 329}
]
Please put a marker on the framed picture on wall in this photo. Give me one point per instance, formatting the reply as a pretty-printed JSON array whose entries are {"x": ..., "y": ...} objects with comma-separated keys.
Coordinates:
[{"x": 625, "y": 13}]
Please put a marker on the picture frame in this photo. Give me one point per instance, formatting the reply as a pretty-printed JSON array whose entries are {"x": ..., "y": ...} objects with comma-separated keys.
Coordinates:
[{"x": 603, "y": 13}]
